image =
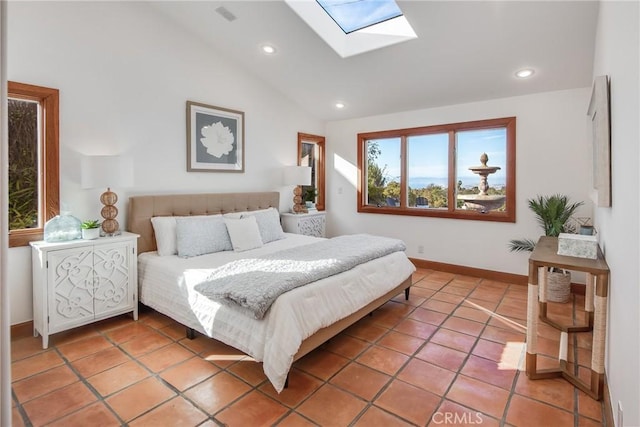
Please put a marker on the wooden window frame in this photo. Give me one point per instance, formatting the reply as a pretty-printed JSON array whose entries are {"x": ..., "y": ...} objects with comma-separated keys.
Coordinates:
[
  {"x": 320, "y": 173},
  {"x": 508, "y": 215},
  {"x": 49, "y": 159}
]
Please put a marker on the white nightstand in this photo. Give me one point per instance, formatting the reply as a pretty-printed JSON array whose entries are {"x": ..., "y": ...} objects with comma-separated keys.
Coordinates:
[
  {"x": 82, "y": 281},
  {"x": 309, "y": 224}
]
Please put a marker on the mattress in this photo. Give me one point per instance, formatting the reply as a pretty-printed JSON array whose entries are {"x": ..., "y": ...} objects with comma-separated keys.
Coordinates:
[{"x": 167, "y": 285}]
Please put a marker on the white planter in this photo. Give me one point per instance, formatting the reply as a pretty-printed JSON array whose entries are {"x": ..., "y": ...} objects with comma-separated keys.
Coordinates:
[{"x": 90, "y": 233}]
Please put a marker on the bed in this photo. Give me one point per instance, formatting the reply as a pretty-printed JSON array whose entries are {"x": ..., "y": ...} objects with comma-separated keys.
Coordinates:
[{"x": 298, "y": 321}]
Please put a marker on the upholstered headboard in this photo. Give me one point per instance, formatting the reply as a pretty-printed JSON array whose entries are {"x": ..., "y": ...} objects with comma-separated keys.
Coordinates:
[{"x": 142, "y": 208}]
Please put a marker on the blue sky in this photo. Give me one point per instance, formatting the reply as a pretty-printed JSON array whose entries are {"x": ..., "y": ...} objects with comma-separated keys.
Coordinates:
[
  {"x": 428, "y": 155},
  {"x": 352, "y": 15}
]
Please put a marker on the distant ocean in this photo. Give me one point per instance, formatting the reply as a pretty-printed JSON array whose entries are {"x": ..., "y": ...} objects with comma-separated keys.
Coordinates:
[{"x": 467, "y": 182}]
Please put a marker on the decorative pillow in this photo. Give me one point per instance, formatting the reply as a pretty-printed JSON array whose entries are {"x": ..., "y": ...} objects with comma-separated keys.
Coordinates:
[
  {"x": 164, "y": 228},
  {"x": 268, "y": 223},
  {"x": 201, "y": 235},
  {"x": 244, "y": 233}
]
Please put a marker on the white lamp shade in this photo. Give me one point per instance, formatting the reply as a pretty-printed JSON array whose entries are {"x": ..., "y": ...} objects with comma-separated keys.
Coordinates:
[
  {"x": 297, "y": 175},
  {"x": 106, "y": 171}
]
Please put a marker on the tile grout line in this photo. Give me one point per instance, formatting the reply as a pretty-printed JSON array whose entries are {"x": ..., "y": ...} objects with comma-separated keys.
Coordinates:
[
  {"x": 516, "y": 377},
  {"x": 157, "y": 376},
  {"x": 21, "y": 410},
  {"x": 469, "y": 353}
]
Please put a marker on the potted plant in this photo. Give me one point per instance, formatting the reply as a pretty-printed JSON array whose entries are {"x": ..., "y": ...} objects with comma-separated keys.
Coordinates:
[
  {"x": 310, "y": 197},
  {"x": 553, "y": 214},
  {"x": 90, "y": 229}
]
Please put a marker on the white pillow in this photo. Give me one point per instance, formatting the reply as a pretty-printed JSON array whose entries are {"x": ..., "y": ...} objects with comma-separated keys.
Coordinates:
[
  {"x": 164, "y": 228},
  {"x": 238, "y": 215},
  {"x": 268, "y": 223},
  {"x": 201, "y": 235},
  {"x": 244, "y": 233}
]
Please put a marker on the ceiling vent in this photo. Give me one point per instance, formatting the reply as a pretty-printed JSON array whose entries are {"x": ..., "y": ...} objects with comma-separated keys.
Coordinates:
[{"x": 224, "y": 12}]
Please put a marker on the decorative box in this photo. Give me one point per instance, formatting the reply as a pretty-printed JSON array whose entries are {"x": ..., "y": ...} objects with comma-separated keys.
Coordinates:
[{"x": 578, "y": 245}]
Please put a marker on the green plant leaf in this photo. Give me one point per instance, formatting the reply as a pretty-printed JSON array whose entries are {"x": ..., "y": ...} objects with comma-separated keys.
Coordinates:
[
  {"x": 552, "y": 214},
  {"x": 90, "y": 223}
]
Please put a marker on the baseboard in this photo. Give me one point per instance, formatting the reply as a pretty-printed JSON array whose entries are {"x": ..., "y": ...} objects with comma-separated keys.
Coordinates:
[
  {"x": 22, "y": 330},
  {"x": 607, "y": 413},
  {"x": 498, "y": 276}
]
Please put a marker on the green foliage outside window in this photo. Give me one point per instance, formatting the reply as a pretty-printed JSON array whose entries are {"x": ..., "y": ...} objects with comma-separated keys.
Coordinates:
[
  {"x": 376, "y": 176},
  {"x": 23, "y": 164}
]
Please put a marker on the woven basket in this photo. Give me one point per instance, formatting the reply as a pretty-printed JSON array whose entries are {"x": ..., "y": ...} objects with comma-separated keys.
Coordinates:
[{"x": 558, "y": 286}]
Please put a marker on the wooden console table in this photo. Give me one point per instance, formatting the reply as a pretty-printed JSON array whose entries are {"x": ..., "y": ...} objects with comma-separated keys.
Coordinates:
[{"x": 545, "y": 255}]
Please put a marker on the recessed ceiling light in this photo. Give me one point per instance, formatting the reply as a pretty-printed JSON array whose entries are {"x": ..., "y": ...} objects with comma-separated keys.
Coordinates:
[
  {"x": 340, "y": 105},
  {"x": 524, "y": 73},
  {"x": 268, "y": 49}
]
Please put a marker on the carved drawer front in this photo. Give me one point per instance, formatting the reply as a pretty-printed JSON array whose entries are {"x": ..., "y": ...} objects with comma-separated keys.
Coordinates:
[
  {"x": 312, "y": 226},
  {"x": 111, "y": 276},
  {"x": 71, "y": 277}
]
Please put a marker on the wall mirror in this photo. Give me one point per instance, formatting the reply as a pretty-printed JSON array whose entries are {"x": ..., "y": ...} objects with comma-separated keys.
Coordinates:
[{"x": 311, "y": 152}]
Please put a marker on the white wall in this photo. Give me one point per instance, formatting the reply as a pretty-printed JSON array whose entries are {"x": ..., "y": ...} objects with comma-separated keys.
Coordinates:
[
  {"x": 552, "y": 156},
  {"x": 617, "y": 55},
  {"x": 125, "y": 74}
]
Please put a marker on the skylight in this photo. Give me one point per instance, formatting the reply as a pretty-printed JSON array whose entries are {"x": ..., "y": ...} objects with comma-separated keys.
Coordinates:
[
  {"x": 366, "y": 24},
  {"x": 353, "y": 15}
]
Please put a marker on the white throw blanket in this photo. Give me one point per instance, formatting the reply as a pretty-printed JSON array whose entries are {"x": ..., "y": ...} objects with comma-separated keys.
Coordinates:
[{"x": 255, "y": 283}]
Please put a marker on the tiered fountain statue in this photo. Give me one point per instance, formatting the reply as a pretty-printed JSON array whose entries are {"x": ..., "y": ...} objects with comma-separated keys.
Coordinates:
[{"x": 482, "y": 201}]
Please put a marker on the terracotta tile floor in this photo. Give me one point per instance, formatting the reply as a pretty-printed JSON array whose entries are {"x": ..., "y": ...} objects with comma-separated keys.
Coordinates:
[{"x": 451, "y": 355}]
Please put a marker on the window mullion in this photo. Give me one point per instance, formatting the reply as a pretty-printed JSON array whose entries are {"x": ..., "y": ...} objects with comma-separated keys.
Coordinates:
[
  {"x": 403, "y": 172},
  {"x": 451, "y": 190}
]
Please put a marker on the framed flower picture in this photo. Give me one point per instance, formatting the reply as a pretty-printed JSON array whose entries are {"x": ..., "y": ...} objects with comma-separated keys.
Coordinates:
[{"x": 215, "y": 139}]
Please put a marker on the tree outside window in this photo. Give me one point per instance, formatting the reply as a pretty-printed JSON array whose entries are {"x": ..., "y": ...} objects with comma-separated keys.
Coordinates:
[{"x": 23, "y": 164}]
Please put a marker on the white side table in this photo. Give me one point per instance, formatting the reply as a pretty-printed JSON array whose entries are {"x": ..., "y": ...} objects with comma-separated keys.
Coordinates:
[
  {"x": 82, "y": 281},
  {"x": 309, "y": 224}
]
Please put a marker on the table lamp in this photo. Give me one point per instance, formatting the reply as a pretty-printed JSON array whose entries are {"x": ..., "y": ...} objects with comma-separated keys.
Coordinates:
[
  {"x": 298, "y": 176},
  {"x": 107, "y": 171}
]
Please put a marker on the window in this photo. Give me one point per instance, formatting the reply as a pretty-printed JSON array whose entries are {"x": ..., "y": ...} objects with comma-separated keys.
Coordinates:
[
  {"x": 462, "y": 170},
  {"x": 33, "y": 161},
  {"x": 311, "y": 153},
  {"x": 353, "y": 15},
  {"x": 354, "y": 27}
]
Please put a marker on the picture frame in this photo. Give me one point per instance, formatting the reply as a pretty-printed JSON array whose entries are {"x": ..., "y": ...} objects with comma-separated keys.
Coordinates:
[
  {"x": 599, "y": 113},
  {"x": 215, "y": 139}
]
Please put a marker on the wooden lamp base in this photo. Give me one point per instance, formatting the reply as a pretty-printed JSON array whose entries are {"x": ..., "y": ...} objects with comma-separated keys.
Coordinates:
[
  {"x": 109, "y": 212},
  {"x": 298, "y": 205}
]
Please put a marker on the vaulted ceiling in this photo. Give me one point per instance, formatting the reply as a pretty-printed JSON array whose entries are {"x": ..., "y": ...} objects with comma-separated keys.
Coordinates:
[{"x": 465, "y": 52}]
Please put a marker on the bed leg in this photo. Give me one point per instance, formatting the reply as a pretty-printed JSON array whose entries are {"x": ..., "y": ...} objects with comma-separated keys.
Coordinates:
[
  {"x": 191, "y": 333},
  {"x": 406, "y": 294},
  {"x": 286, "y": 382}
]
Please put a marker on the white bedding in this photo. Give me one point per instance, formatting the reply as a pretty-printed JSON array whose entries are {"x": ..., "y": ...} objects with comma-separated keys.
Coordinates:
[{"x": 167, "y": 285}]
